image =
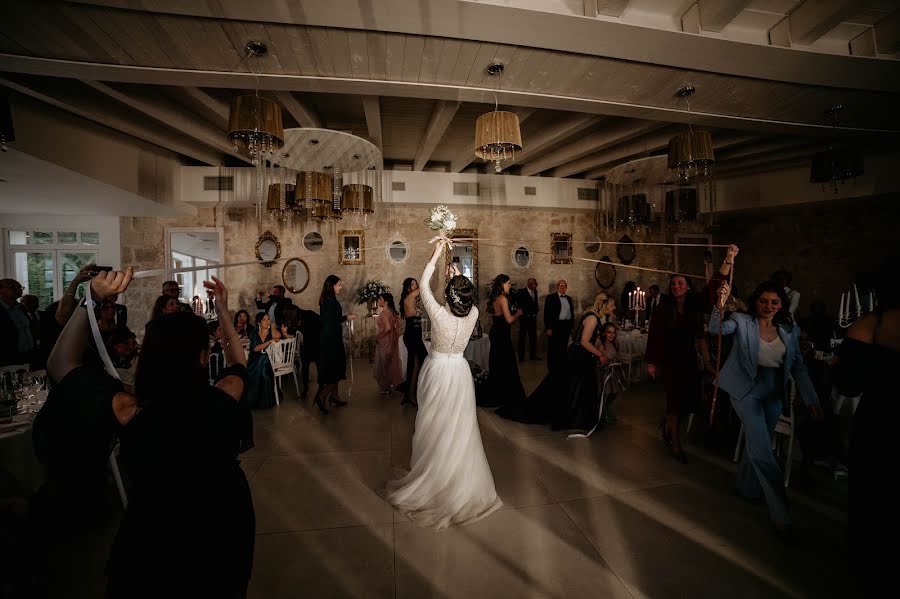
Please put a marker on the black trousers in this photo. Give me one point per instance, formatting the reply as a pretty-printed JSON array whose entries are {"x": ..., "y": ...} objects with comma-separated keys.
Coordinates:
[
  {"x": 528, "y": 329},
  {"x": 416, "y": 352},
  {"x": 558, "y": 344}
]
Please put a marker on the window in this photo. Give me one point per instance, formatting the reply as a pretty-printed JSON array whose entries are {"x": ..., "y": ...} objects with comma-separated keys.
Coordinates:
[{"x": 45, "y": 262}]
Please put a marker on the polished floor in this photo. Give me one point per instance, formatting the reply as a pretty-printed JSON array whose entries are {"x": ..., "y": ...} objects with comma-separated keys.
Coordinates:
[{"x": 609, "y": 516}]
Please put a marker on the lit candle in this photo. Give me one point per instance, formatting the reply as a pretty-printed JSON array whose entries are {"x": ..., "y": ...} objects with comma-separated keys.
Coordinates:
[
  {"x": 841, "y": 310},
  {"x": 858, "y": 305},
  {"x": 871, "y": 302}
]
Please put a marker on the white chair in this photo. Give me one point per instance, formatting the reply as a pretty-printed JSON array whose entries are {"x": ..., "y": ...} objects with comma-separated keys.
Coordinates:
[
  {"x": 114, "y": 466},
  {"x": 216, "y": 364},
  {"x": 281, "y": 358},
  {"x": 786, "y": 427}
]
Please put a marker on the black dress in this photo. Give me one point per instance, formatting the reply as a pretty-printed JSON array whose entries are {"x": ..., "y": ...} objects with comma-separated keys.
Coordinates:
[
  {"x": 416, "y": 352},
  {"x": 190, "y": 523},
  {"x": 582, "y": 402},
  {"x": 332, "y": 364},
  {"x": 503, "y": 386}
]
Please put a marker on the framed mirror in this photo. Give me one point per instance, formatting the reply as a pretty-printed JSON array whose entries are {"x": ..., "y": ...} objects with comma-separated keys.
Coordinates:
[
  {"x": 560, "y": 248},
  {"x": 592, "y": 244},
  {"x": 625, "y": 250},
  {"x": 464, "y": 253},
  {"x": 351, "y": 247},
  {"x": 295, "y": 275},
  {"x": 397, "y": 250},
  {"x": 313, "y": 241},
  {"x": 521, "y": 257},
  {"x": 268, "y": 249},
  {"x": 605, "y": 273}
]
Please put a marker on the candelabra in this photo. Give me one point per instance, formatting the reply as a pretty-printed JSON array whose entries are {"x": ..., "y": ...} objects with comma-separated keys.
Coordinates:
[{"x": 844, "y": 317}]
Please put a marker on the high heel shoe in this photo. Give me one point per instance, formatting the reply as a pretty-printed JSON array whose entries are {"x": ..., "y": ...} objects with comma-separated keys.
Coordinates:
[{"x": 320, "y": 404}]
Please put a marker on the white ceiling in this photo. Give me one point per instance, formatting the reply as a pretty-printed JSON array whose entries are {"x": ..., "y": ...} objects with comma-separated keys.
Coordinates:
[{"x": 33, "y": 186}]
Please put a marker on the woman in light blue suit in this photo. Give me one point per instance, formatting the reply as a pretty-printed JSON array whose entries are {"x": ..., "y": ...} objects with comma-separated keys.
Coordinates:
[{"x": 757, "y": 373}]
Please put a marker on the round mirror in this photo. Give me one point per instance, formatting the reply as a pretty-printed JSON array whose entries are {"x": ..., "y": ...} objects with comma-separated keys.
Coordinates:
[
  {"x": 592, "y": 246},
  {"x": 521, "y": 257},
  {"x": 295, "y": 275},
  {"x": 268, "y": 249},
  {"x": 397, "y": 251},
  {"x": 313, "y": 241}
]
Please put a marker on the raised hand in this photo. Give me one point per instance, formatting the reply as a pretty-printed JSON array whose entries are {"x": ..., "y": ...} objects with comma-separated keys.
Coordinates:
[
  {"x": 731, "y": 252},
  {"x": 220, "y": 293},
  {"x": 723, "y": 292},
  {"x": 113, "y": 282}
]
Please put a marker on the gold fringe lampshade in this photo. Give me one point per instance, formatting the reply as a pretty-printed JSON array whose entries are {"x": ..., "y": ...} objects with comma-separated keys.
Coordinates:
[
  {"x": 357, "y": 198},
  {"x": 315, "y": 192},
  {"x": 497, "y": 137},
  {"x": 279, "y": 201},
  {"x": 254, "y": 124},
  {"x": 691, "y": 155}
]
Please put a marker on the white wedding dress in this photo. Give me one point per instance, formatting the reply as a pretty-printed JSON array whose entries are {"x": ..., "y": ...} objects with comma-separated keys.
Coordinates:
[{"x": 449, "y": 482}]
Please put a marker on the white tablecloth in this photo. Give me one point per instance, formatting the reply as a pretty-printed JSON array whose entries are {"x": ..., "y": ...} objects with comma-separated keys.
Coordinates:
[
  {"x": 632, "y": 343},
  {"x": 17, "y": 453},
  {"x": 478, "y": 350}
]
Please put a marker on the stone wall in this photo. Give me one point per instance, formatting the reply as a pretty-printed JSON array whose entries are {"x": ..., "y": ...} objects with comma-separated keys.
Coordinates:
[{"x": 143, "y": 245}]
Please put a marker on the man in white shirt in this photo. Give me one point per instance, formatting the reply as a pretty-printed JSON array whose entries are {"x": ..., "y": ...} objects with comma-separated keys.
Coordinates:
[{"x": 783, "y": 278}]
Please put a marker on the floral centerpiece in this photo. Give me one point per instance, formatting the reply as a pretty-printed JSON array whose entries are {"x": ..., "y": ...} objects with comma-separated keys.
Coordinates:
[
  {"x": 441, "y": 219},
  {"x": 369, "y": 292},
  {"x": 479, "y": 375}
]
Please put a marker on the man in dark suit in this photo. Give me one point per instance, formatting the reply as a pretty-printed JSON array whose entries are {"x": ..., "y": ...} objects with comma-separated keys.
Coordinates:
[
  {"x": 528, "y": 300},
  {"x": 559, "y": 312},
  {"x": 651, "y": 302},
  {"x": 274, "y": 303}
]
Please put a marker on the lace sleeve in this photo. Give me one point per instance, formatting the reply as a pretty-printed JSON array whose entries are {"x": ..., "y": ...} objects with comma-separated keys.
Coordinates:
[{"x": 431, "y": 305}]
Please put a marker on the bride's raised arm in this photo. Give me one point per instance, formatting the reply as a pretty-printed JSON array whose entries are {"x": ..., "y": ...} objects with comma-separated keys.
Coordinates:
[{"x": 431, "y": 304}]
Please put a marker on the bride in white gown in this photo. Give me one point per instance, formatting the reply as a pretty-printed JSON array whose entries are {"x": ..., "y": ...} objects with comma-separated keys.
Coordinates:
[{"x": 450, "y": 482}]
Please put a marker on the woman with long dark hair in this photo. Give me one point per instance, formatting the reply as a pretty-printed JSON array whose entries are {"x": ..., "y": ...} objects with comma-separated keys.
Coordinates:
[
  {"x": 332, "y": 364},
  {"x": 756, "y": 375},
  {"x": 260, "y": 378},
  {"x": 416, "y": 352},
  {"x": 164, "y": 304},
  {"x": 503, "y": 386},
  {"x": 189, "y": 522},
  {"x": 387, "y": 358},
  {"x": 242, "y": 325},
  {"x": 449, "y": 480},
  {"x": 675, "y": 328}
]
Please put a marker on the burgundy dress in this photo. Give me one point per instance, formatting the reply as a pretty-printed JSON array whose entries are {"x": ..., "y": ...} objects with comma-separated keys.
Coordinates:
[
  {"x": 671, "y": 346},
  {"x": 387, "y": 356}
]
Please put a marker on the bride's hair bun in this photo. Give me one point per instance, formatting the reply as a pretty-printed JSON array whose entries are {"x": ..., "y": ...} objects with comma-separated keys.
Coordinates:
[{"x": 460, "y": 294}]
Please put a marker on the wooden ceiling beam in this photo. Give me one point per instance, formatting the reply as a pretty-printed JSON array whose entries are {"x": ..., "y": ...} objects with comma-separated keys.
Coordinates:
[
  {"x": 611, "y": 8},
  {"x": 372, "y": 108},
  {"x": 466, "y": 154},
  {"x": 641, "y": 146},
  {"x": 812, "y": 19},
  {"x": 218, "y": 110},
  {"x": 887, "y": 34},
  {"x": 304, "y": 114},
  {"x": 173, "y": 117},
  {"x": 173, "y": 143},
  {"x": 654, "y": 143},
  {"x": 614, "y": 134},
  {"x": 441, "y": 115},
  {"x": 715, "y": 15}
]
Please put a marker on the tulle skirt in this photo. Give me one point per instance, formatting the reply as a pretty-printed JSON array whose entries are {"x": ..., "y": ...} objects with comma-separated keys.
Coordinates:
[{"x": 449, "y": 481}]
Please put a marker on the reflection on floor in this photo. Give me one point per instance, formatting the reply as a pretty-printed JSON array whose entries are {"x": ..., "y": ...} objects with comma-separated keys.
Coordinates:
[{"x": 609, "y": 516}]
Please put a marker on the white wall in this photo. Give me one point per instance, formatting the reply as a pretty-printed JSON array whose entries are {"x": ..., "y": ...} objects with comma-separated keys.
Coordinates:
[{"x": 107, "y": 226}]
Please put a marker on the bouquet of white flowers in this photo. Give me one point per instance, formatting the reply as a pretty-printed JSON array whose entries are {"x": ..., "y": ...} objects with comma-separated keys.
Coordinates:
[
  {"x": 371, "y": 291},
  {"x": 441, "y": 219}
]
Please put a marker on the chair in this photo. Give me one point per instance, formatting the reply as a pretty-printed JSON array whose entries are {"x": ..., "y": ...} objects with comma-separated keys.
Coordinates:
[
  {"x": 281, "y": 358},
  {"x": 786, "y": 426},
  {"x": 216, "y": 364}
]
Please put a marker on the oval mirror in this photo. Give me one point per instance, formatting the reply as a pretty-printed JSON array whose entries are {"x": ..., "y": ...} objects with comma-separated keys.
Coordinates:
[
  {"x": 592, "y": 245},
  {"x": 295, "y": 275},
  {"x": 398, "y": 251},
  {"x": 268, "y": 249},
  {"x": 313, "y": 241},
  {"x": 521, "y": 257}
]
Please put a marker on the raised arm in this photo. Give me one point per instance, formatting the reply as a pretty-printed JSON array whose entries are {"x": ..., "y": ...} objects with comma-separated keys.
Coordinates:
[
  {"x": 67, "y": 302},
  {"x": 728, "y": 326},
  {"x": 504, "y": 308},
  {"x": 431, "y": 305}
]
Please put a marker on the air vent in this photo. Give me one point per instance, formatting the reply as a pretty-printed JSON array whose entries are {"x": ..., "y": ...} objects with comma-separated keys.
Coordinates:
[
  {"x": 398, "y": 185},
  {"x": 465, "y": 189},
  {"x": 588, "y": 194},
  {"x": 531, "y": 191},
  {"x": 218, "y": 183}
]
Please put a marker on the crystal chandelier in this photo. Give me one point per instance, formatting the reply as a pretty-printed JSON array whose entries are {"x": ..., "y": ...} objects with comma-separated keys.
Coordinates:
[
  {"x": 255, "y": 126},
  {"x": 837, "y": 163},
  {"x": 691, "y": 155},
  {"x": 497, "y": 133}
]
